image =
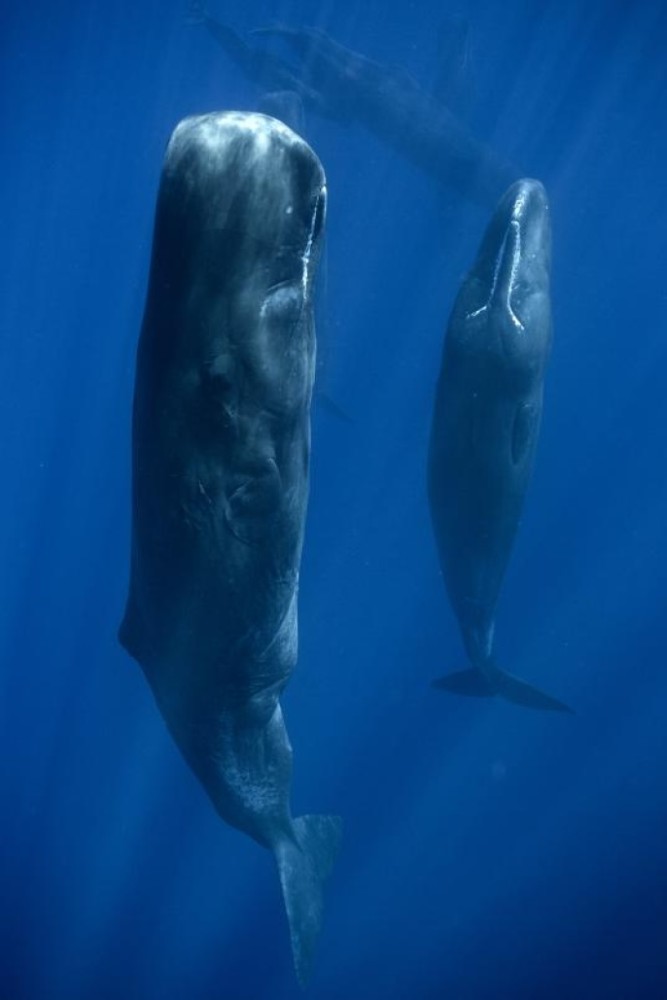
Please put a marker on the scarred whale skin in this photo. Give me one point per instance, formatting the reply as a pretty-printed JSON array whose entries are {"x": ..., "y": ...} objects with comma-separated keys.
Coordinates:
[
  {"x": 221, "y": 443},
  {"x": 485, "y": 428}
]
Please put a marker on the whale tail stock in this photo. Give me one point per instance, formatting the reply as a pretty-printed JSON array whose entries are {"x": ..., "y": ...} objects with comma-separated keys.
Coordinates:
[
  {"x": 491, "y": 680},
  {"x": 303, "y": 865}
]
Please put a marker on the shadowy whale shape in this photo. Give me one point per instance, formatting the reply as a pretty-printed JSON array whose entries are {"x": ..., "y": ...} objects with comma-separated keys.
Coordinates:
[
  {"x": 454, "y": 84},
  {"x": 221, "y": 442},
  {"x": 344, "y": 85},
  {"x": 485, "y": 428},
  {"x": 286, "y": 106}
]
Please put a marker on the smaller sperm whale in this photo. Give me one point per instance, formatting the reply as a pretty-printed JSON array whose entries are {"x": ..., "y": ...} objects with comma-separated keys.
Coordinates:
[{"x": 485, "y": 429}]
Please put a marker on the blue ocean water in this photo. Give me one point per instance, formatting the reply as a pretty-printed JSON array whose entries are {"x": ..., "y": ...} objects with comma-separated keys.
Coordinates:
[{"x": 488, "y": 851}]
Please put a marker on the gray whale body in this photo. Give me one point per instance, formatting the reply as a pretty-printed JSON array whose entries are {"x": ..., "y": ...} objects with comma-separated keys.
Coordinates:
[
  {"x": 221, "y": 443},
  {"x": 485, "y": 428}
]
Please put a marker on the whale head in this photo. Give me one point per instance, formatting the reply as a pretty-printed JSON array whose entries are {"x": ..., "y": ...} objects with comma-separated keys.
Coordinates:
[
  {"x": 239, "y": 225},
  {"x": 504, "y": 303}
]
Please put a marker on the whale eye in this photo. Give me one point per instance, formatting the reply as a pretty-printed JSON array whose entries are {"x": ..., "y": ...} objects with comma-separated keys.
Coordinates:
[
  {"x": 217, "y": 375},
  {"x": 284, "y": 302},
  {"x": 217, "y": 399}
]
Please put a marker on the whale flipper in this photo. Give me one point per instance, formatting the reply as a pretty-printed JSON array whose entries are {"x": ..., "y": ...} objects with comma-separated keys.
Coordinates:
[
  {"x": 494, "y": 681},
  {"x": 454, "y": 84},
  {"x": 303, "y": 867}
]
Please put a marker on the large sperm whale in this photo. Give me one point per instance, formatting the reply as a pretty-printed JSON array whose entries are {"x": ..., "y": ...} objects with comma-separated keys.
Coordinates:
[
  {"x": 485, "y": 428},
  {"x": 221, "y": 441}
]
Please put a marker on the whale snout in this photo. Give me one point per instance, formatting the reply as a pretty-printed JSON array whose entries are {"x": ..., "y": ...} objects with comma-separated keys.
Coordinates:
[
  {"x": 525, "y": 208},
  {"x": 505, "y": 299},
  {"x": 514, "y": 259}
]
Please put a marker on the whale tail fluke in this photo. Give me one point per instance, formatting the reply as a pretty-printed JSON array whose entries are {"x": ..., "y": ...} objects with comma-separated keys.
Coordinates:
[
  {"x": 303, "y": 865},
  {"x": 494, "y": 681},
  {"x": 470, "y": 682}
]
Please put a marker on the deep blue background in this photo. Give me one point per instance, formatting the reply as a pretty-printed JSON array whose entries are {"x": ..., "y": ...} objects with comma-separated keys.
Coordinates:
[{"x": 488, "y": 851}]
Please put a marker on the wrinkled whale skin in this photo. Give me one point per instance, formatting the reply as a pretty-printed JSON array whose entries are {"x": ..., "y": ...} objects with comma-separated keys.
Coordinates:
[{"x": 221, "y": 443}]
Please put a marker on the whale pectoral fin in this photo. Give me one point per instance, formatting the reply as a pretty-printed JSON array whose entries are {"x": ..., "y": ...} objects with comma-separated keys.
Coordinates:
[
  {"x": 303, "y": 865},
  {"x": 454, "y": 85},
  {"x": 470, "y": 682}
]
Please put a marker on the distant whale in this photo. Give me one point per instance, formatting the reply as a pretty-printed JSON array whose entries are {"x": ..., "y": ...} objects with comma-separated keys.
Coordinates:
[
  {"x": 386, "y": 100},
  {"x": 221, "y": 442},
  {"x": 286, "y": 106},
  {"x": 346, "y": 86},
  {"x": 485, "y": 428}
]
